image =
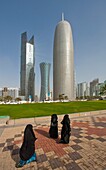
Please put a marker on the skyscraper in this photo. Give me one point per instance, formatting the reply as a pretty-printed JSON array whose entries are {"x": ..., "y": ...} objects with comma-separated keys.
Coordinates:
[
  {"x": 82, "y": 90},
  {"x": 45, "y": 86},
  {"x": 93, "y": 88},
  {"x": 63, "y": 61},
  {"x": 27, "y": 75}
]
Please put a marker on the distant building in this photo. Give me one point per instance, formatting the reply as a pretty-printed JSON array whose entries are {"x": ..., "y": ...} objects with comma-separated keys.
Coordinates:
[
  {"x": 99, "y": 87},
  {"x": 82, "y": 90},
  {"x": 36, "y": 98},
  {"x": 5, "y": 92},
  {"x": 45, "y": 84},
  {"x": 93, "y": 87},
  {"x": 13, "y": 92},
  {"x": 27, "y": 75},
  {"x": 0, "y": 92},
  {"x": 104, "y": 82},
  {"x": 63, "y": 61}
]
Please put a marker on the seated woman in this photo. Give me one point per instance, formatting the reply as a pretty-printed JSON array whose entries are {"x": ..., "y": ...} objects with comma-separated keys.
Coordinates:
[
  {"x": 65, "y": 132},
  {"x": 54, "y": 127},
  {"x": 27, "y": 150}
]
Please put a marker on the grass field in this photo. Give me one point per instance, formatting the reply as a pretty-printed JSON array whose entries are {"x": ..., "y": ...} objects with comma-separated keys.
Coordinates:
[{"x": 46, "y": 109}]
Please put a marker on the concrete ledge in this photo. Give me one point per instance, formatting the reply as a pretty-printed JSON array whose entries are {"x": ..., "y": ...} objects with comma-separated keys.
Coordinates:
[
  {"x": 46, "y": 120},
  {"x": 4, "y": 120}
]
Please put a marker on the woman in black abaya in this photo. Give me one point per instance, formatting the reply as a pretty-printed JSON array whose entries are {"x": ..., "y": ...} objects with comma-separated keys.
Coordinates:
[
  {"x": 54, "y": 127},
  {"x": 65, "y": 132},
  {"x": 27, "y": 150}
]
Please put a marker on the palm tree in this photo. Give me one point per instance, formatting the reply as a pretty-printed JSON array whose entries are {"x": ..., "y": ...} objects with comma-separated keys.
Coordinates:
[
  {"x": 7, "y": 98},
  {"x": 60, "y": 97},
  {"x": 1, "y": 98},
  {"x": 18, "y": 99},
  {"x": 103, "y": 90},
  {"x": 66, "y": 97}
]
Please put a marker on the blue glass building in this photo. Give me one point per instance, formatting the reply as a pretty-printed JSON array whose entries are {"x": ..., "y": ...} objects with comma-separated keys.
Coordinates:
[{"x": 45, "y": 85}]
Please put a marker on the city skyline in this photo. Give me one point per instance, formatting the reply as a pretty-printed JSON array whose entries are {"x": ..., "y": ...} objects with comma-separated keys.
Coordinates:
[{"x": 38, "y": 18}]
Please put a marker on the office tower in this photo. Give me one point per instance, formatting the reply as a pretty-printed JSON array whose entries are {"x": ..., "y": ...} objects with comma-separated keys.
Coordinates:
[
  {"x": 99, "y": 88},
  {"x": 63, "y": 61},
  {"x": 27, "y": 75},
  {"x": 93, "y": 87},
  {"x": 82, "y": 90},
  {"x": 1, "y": 93},
  {"x": 45, "y": 86}
]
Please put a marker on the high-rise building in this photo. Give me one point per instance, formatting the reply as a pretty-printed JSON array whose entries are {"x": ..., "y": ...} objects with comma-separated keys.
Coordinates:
[
  {"x": 63, "y": 61},
  {"x": 27, "y": 75},
  {"x": 99, "y": 88},
  {"x": 45, "y": 85},
  {"x": 13, "y": 92},
  {"x": 82, "y": 90},
  {"x": 93, "y": 87}
]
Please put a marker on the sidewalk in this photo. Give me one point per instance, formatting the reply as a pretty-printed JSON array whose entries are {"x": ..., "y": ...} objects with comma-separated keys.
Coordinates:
[{"x": 86, "y": 150}]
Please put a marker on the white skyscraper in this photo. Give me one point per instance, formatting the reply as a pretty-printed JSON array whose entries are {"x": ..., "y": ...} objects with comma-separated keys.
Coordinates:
[{"x": 63, "y": 61}]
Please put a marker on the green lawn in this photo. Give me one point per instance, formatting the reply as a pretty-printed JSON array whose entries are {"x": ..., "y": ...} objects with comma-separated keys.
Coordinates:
[{"x": 46, "y": 109}]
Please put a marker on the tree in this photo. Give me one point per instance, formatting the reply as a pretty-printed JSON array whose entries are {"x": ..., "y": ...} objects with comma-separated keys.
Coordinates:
[
  {"x": 1, "y": 98},
  {"x": 7, "y": 98},
  {"x": 81, "y": 97},
  {"x": 103, "y": 90},
  {"x": 66, "y": 97},
  {"x": 61, "y": 97},
  {"x": 18, "y": 99},
  {"x": 77, "y": 98}
]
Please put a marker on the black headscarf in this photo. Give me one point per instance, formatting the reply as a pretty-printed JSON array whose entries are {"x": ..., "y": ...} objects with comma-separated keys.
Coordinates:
[
  {"x": 65, "y": 132},
  {"x": 66, "y": 127},
  {"x": 54, "y": 118},
  {"x": 28, "y": 146},
  {"x": 66, "y": 120},
  {"x": 53, "y": 131}
]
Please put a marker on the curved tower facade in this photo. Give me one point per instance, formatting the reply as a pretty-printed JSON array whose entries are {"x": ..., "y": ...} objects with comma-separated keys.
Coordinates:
[
  {"x": 27, "y": 74},
  {"x": 45, "y": 86},
  {"x": 63, "y": 61}
]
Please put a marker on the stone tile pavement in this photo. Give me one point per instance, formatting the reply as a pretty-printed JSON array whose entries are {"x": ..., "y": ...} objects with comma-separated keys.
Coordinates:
[{"x": 86, "y": 150}]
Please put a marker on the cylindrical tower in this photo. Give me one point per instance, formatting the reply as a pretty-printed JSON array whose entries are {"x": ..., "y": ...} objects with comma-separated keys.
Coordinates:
[
  {"x": 63, "y": 61},
  {"x": 45, "y": 86}
]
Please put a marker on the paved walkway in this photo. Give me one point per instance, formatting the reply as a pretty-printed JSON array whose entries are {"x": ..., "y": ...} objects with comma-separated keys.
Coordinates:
[{"x": 86, "y": 150}]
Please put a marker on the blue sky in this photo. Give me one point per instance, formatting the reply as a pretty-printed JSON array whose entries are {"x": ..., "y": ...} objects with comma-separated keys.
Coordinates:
[{"x": 39, "y": 18}]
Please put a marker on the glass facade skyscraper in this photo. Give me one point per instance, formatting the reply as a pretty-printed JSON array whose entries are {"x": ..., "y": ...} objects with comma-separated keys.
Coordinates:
[
  {"x": 45, "y": 86},
  {"x": 82, "y": 90},
  {"x": 27, "y": 75}
]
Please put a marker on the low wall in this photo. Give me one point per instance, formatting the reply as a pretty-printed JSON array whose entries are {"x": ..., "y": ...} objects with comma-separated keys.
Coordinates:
[
  {"x": 4, "y": 120},
  {"x": 36, "y": 121}
]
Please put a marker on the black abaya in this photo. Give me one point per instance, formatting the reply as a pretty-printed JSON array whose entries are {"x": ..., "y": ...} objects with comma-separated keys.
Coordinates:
[
  {"x": 54, "y": 127},
  {"x": 65, "y": 132},
  {"x": 28, "y": 147}
]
